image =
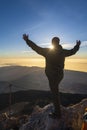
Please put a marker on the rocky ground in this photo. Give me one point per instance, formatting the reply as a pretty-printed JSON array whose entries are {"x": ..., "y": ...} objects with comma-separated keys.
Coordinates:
[
  {"x": 40, "y": 120},
  {"x": 71, "y": 118}
]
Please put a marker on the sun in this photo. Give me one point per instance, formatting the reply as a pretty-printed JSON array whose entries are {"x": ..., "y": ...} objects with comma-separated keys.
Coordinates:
[{"x": 51, "y": 47}]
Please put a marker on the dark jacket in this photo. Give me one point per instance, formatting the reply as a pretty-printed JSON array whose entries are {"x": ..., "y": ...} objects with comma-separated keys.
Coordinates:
[{"x": 54, "y": 58}]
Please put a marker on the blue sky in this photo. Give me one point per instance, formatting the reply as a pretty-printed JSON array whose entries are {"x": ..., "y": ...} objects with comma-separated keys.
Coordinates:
[{"x": 41, "y": 19}]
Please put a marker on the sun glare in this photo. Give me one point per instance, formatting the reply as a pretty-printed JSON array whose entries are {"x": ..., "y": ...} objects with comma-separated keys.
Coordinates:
[{"x": 51, "y": 47}]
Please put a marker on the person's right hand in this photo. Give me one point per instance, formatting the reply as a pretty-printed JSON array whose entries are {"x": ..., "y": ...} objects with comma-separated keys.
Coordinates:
[
  {"x": 25, "y": 37},
  {"x": 78, "y": 42}
]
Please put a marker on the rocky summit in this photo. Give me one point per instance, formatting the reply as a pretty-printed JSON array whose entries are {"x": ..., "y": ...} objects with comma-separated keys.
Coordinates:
[{"x": 71, "y": 118}]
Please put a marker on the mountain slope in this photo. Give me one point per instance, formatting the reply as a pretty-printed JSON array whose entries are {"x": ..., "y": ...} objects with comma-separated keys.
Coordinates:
[{"x": 25, "y": 78}]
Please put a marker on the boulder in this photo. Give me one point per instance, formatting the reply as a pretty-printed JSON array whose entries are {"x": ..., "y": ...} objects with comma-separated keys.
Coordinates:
[{"x": 71, "y": 118}]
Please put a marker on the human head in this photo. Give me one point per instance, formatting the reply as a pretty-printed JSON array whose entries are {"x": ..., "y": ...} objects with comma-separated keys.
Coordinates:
[{"x": 55, "y": 41}]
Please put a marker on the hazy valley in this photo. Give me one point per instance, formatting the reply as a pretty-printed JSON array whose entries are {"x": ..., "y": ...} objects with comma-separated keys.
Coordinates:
[{"x": 33, "y": 78}]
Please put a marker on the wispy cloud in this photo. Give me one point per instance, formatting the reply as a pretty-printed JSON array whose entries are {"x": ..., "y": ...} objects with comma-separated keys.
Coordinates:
[
  {"x": 45, "y": 44},
  {"x": 30, "y": 51},
  {"x": 84, "y": 44},
  {"x": 68, "y": 46},
  {"x": 65, "y": 45}
]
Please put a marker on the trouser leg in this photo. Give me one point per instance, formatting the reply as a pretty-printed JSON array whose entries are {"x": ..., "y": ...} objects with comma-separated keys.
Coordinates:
[
  {"x": 56, "y": 98},
  {"x": 54, "y": 80}
]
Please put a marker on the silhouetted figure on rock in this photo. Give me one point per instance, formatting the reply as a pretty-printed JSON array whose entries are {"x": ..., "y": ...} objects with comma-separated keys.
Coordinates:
[{"x": 54, "y": 67}]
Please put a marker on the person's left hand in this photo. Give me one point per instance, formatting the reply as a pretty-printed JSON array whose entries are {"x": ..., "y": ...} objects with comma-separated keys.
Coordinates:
[{"x": 78, "y": 42}]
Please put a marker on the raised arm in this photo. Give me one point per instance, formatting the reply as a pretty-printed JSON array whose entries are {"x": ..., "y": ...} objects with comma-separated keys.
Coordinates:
[
  {"x": 39, "y": 50},
  {"x": 72, "y": 51}
]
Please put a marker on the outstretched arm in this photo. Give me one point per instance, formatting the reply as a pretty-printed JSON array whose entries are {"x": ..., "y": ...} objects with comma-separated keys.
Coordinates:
[
  {"x": 72, "y": 51},
  {"x": 31, "y": 44}
]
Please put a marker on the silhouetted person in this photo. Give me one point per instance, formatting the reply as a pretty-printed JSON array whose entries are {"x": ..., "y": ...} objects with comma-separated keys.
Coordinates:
[{"x": 54, "y": 67}]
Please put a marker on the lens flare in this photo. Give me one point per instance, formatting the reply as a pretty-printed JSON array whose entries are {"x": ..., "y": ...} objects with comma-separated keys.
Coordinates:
[{"x": 51, "y": 47}]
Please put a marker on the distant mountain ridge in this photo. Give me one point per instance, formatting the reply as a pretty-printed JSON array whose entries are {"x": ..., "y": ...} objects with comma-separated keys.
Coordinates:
[{"x": 26, "y": 78}]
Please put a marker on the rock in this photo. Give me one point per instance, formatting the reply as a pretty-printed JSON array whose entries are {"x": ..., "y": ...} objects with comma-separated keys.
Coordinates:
[
  {"x": 71, "y": 118},
  {"x": 16, "y": 108}
]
